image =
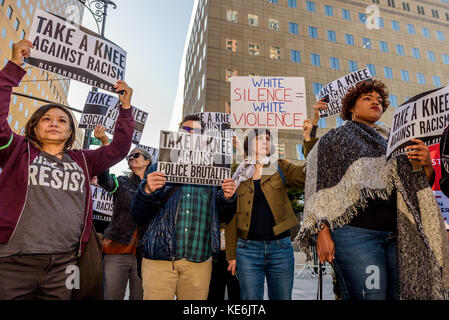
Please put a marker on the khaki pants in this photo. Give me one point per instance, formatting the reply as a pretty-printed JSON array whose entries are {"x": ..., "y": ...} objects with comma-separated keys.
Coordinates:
[{"x": 162, "y": 279}]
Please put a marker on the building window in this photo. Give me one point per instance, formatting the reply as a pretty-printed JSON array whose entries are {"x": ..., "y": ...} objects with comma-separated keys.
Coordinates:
[
  {"x": 406, "y": 6},
  {"x": 328, "y": 10},
  {"x": 416, "y": 53},
  {"x": 299, "y": 153},
  {"x": 292, "y": 3},
  {"x": 315, "y": 59},
  {"x": 331, "y": 36},
  {"x": 346, "y": 14},
  {"x": 366, "y": 42},
  {"x": 293, "y": 28},
  {"x": 335, "y": 63},
  {"x": 447, "y": 16},
  {"x": 405, "y": 76},
  {"x": 273, "y": 24},
  {"x": 425, "y": 32},
  {"x": 383, "y": 46},
  {"x": 411, "y": 29},
  {"x": 421, "y": 78},
  {"x": 317, "y": 87},
  {"x": 275, "y": 53},
  {"x": 436, "y": 81},
  {"x": 310, "y": 6},
  {"x": 295, "y": 56},
  {"x": 4, "y": 33},
  {"x": 431, "y": 56},
  {"x": 380, "y": 22},
  {"x": 435, "y": 13},
  {"x": 253, "y": 20},
  {"x": 371, "y": 69},
  {"x": 445, "y": 58},
  {"x": 322, "y": 123},
  {"x": 393, "y": 100},
  {"x": 230, "y": 73},
  {"x": 339, "y": 121},
  {"x": 349, "y": 39},
  {"x": 253, "y": 49},
  {"x": 388, "y": 73},
  {"x": 313, "y": 32},
  {"x": 391, "y": 3},
  {"x": 273, "y": 1},
  {"x": 232, "y": 16},
  {"x": 400, "y": 50},
  {"x": 440, "y": 36},
  {"x": 362, "y": 17},
  {"x": 395, "y": 25},
  {"x": 231, "y": 45},
  {"x": 9, "y": 12},
  {"x": 352, "y": 66},
  {"x": 22, "y": 35},
  {"x": 420, "y": 10}
]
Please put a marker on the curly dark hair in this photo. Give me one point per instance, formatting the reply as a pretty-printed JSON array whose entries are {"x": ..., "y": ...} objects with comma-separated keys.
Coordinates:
[{"x": 354, "y": 93}]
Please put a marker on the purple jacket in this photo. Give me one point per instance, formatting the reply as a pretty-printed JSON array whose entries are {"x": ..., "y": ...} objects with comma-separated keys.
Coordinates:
[{"x": 16, "y": 154}]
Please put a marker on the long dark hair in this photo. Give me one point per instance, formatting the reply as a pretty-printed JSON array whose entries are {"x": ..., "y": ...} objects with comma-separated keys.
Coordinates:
[{"x": 36, "y": 117}]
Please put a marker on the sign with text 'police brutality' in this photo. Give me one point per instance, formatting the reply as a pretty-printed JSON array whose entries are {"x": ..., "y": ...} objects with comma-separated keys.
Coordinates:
[
  {"x": 422, "y": 117},
  {"x": 216, "y": 124},
  {"x": 154, "y": 152},
  {"x": 103, "y": 109},
  {"x": 102, "y": 204},
  {"x": 335, "y": 91},
  {"x": 75, "y": 52},
  {"x": 194, "y": 158},
  {"x": 268, "y": 102}
]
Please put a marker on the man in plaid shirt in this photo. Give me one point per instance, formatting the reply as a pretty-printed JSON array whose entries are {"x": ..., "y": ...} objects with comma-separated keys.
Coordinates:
[{"x": 183, "y": 230}]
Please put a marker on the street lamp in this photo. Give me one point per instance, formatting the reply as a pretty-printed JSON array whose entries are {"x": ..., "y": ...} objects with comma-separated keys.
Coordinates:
[{"x": 98, "y": 9}]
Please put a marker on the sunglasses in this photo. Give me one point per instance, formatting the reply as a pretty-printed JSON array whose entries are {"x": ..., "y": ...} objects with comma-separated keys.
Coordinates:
[
  {"x": 191, "y": 130},
  {"x": 134, "y": 156}
]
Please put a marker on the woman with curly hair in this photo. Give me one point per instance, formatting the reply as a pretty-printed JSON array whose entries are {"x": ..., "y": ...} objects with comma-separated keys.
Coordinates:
[{"x": 377, "y": 221}]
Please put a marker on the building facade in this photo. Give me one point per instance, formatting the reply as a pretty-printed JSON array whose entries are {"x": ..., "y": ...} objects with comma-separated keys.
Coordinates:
[
  {"x": 16, "y": 17},
  {"x": 405, "y": 44}
]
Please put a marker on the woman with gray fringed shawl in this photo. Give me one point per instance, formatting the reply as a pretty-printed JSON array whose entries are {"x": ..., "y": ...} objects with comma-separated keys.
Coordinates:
[{"x": 378, "y": 222}]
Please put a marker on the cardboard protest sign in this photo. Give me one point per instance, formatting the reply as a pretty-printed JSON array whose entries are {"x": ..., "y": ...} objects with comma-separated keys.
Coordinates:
[
  {"x": 103, "y": 109},
  {"x": 442, "y": 200},
  {"x": 102, "y": 204},
  {"x": 268, "y": 102},
  {"x": 194, "y": 158},
  {"x": 423, "y": 117},
  {"x": 154, "y": 152},
  {"x": 333, "y": 92},
  {"x": 216, "y": 124},
  {"x": 75, "y": 52}
]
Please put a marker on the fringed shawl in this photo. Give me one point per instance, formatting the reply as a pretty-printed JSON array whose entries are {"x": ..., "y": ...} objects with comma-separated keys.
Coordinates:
[{"x": 346, "y": 169}]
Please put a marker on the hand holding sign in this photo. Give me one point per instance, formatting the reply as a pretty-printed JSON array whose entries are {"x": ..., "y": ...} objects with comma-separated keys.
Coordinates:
[
  {"x": 125, "y": 97},
  {"x": 155, "y": 181},
  {"x": 420, "y": 153},
  {"x": 21, "y": 50},
  {"x": 320, "y": 105},
  {"x": 229, "y": 187},
  {"x": 100, "y": 134}
]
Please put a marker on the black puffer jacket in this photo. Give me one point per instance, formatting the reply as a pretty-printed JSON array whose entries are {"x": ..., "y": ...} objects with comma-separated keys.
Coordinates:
[{"x": 122, "y": 226}]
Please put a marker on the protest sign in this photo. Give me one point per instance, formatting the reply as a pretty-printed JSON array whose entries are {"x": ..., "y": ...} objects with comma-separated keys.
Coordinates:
[
  {"x": 102, "y": 204},
  {"x": 154, "y": 152},
  {"x": 423, "y": 117},
  {"x": 442, "y": 200},
  {"x": 216, "y": 124},
  {"x": 268, "y": 102},
  {"x": 75, "y": 52},
  {"x": 103, "y": 109},
  {"x": 194, "y": 158},
  {"x": 333, "y": 92}
]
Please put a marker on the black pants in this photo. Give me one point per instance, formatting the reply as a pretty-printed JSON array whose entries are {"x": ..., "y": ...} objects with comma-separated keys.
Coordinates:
[{"x": 222, "y": 278}]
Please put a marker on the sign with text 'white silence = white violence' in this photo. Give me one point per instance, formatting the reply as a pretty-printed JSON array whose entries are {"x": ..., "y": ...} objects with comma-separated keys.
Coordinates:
[
  {"x": 423, "y": 117},
  {"x": 103, "y": 109},
  {"x": 194, "y": 158},
  {"x": 334, "y": 92},
  {"x": 75, "y": 52}
]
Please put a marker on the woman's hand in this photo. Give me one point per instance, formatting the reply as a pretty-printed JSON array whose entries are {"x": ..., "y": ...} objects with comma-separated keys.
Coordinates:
[
  {"x": 20, "y": 50},
  {"x": 320, "y": 105},
  {"x": 421, "y": 154},
  {"x": 125, "y": 98},
  {"x": 232, "y": 264},
  {"x": 155, "y": 181},
  {"x": 100, "y": 134},
  {"x": 325, "y": 246},
  {"x": 307, "y": 129}
]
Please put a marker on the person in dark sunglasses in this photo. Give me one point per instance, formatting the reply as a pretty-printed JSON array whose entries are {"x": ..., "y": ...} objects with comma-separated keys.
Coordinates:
[{"x": 184, "y": 230}]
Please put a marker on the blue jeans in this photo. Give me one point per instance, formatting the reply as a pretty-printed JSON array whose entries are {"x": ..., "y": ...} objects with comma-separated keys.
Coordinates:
[
  {"x": 271, "y": 259},
  {"x": 366, "y": 263}
]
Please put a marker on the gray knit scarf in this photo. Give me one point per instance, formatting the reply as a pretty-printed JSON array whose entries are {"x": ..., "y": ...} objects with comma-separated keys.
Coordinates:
[{"x": 346, "y": 169}]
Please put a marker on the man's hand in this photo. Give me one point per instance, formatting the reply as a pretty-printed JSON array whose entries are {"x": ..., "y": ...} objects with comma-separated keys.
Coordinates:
[
  {"x": 100, "y": 134},
  {"x": 125, "y": 98},
  {"x": 229, "y": 187},
  {"x": 20, "y": 50},
  {"x": 232, "y": 264},
  {"x": 320, "y": 105},
  {"x": 155, "y": 181}
]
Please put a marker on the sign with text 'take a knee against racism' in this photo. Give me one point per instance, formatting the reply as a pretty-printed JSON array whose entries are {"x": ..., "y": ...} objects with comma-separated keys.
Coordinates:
[
  {"x": 334, "y": 92},
  {"x": 154, "y": 152},
  {"x": 194, "y": 158},
  {"x": 423, "y": 117},
  {"x": 103, "y": 109},
  {"x": 216, "y": 124},
  {"x": 75, "y": 52},
  {"x": 268, "y": 102},
  {"x": 102, "y": 204}
]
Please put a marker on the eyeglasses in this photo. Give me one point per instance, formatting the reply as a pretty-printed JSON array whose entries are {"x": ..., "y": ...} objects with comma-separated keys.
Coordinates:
[
  {"x": 191, "y": 130},
  {"x": 134, "y": 156}
]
